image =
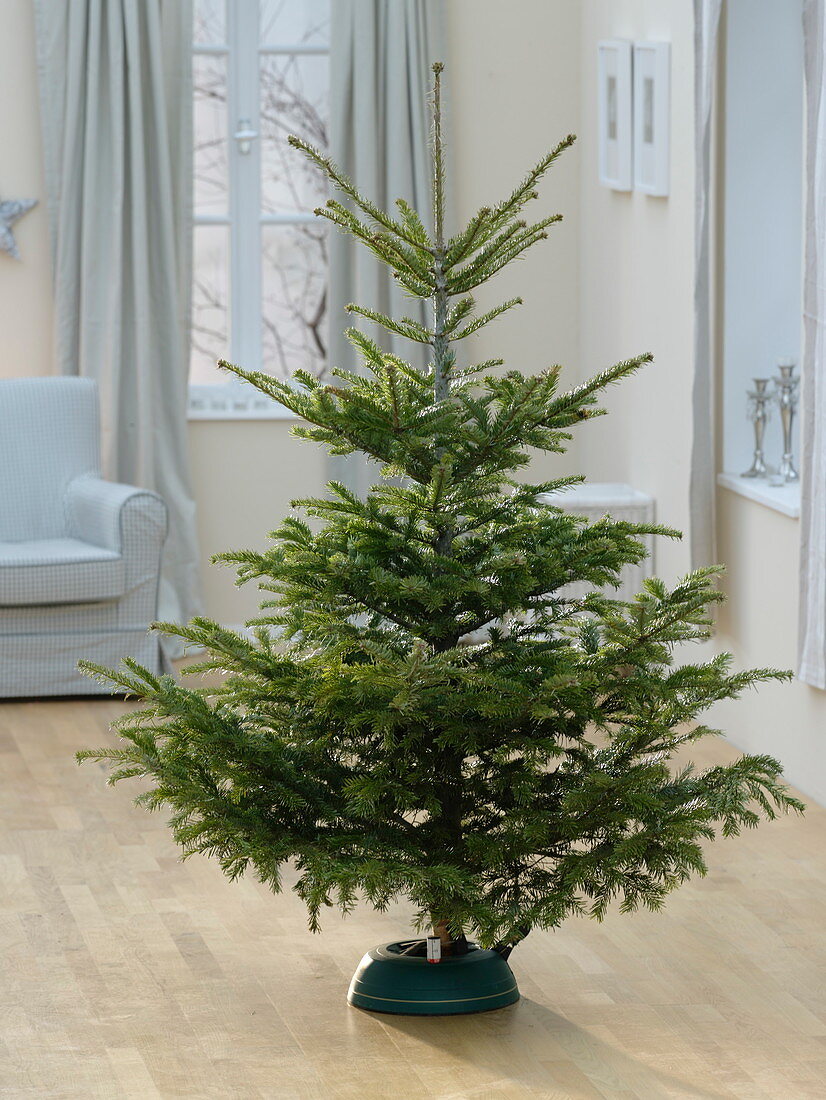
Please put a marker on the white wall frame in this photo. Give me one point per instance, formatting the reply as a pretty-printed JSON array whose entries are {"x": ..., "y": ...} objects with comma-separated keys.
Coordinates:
[
  {"x": 652, "y": 117},
  {"x": 615, "y": 114},
  {"x": 234, "y": 399}
]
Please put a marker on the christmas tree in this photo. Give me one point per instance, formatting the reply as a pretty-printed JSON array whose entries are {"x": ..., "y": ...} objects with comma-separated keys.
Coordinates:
[{"x": 363, "y": 731}]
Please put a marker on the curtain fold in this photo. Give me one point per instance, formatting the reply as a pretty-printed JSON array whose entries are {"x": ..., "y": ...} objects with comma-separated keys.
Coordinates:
[
  {"x": 702, "y": 487},
  {"x": 812, "y": 617},
  {"x": 116, "y": 116},
  {"x": 380, "y": 77}
]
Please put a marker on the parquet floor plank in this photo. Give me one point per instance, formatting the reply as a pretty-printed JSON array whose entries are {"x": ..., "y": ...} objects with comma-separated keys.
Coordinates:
[{"x": 125, "y": 973}]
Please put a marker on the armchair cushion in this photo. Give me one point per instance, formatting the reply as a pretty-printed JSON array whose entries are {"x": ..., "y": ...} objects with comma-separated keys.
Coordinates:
[
  {"x": 49, "y": 435},
  {"x": 105, "y": 513},
  {"x": 61, "y": 570}
]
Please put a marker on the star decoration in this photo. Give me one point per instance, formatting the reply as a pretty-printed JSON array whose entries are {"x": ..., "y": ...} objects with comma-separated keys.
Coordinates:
[{"x": 10, "y": 211}]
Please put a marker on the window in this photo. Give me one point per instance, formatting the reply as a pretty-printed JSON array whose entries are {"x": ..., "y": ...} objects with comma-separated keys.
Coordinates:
[
  {"x": 762, "y": 233},
  {"x": 260, "y": 72}
]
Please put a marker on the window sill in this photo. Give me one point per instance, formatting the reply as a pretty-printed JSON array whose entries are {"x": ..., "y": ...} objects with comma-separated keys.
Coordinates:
[
  {"x": 782, "y": 498},
  {"x": 233, "y": 403}
]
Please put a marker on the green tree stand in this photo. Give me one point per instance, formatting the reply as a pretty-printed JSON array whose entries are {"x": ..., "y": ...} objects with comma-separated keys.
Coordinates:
[{"x": 386, "y": 980}]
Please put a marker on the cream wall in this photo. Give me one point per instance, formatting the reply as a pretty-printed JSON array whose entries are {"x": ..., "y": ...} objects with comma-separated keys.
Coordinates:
[
  {"x": 636, "y": 293},
  {"x": 636, "y": 285},
  {"x": 513, "y": 92},
  {"x": 25, "y": 285},
  {"x": 759, "y": 626},
  {"x": 246, "y": 473}
]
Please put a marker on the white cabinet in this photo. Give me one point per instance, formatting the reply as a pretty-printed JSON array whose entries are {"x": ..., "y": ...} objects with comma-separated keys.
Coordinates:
[{"x": 596, "y": 499}]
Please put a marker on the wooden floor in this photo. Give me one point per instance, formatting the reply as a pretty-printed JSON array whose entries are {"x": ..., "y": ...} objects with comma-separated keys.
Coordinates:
[{"x": 124, "y": 973}]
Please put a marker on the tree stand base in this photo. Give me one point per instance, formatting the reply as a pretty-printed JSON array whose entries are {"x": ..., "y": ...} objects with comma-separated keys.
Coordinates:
[{"x": 388, "y": 981}]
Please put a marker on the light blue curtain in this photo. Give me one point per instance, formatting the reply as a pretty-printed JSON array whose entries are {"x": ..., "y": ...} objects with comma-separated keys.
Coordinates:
[
  {"x": 812, "y": 645},
  {"x": 703, "y": 461},
  {"x": 382, "y": 51},
  {"x": 116, "y": 115}
]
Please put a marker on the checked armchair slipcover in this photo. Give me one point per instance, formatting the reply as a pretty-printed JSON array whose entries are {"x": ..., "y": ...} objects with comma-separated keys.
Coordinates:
[{"x": 79, "y": 556}]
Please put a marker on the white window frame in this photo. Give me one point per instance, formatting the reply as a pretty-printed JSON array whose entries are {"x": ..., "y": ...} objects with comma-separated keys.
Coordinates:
[{"x": 234, "y": 399}]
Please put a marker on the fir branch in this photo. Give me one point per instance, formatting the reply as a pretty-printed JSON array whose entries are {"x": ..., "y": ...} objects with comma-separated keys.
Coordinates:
[
  {"x": 413, "y": 224},
  {"x": 406, "y": 327},
  {"x": 526, "y": 191},
  {"x": 479, "y": 272},
  {"x": 502, "y": 249},
  {"x": 572, "y": 403},
  {"x": 486, "y": 318},
  {"x": 455, "y": 315},
  {"x": 463, "y": 244},
  {"x": 340, "y": 180}
]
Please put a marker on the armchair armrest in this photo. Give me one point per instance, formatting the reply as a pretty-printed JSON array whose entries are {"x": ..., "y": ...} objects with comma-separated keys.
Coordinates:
[{"x": 110, "y": 515}]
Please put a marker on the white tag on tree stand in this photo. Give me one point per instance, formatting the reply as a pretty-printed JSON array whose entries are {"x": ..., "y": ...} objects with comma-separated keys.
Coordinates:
[{"x": 434, "y": 949}]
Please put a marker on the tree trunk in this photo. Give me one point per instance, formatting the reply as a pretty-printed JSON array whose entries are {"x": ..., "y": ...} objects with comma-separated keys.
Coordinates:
[{"x": 440, "y": 929}]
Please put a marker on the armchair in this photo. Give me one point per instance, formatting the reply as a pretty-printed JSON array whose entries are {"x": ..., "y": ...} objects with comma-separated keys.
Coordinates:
[{"x": 79, "y": 556}]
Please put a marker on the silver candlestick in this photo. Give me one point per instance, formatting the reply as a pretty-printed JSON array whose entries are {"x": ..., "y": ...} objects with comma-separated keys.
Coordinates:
[
  {"x": 759, "y": 407},
  {"x": 786, "y": 395}
]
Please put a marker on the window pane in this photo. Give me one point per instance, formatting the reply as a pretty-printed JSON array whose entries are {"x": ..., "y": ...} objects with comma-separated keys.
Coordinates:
[
  {"x": 210, "y": 134},
  {"x": 295, "y": 22},
  {"x": 294, "y": 287},
  {"x": 210, "y": 26},
  {"x": 294, "y": 100},
  {"x": 210, "y": 303}
]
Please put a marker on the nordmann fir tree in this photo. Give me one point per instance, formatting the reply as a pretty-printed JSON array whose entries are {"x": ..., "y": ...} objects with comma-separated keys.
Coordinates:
[{"x": 499, "y": 786}]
